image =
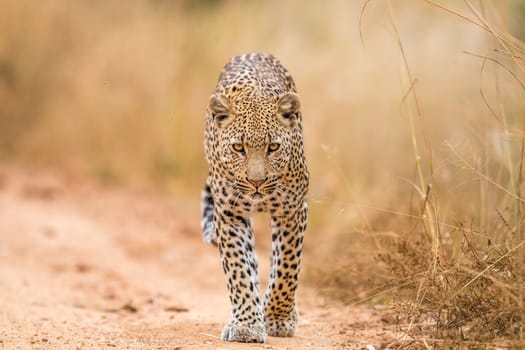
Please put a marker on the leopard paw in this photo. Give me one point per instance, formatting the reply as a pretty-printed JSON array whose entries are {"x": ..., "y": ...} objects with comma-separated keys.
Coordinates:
[
  {"x": 281, "y": 326},
  {"x": 244, "y": 333}
]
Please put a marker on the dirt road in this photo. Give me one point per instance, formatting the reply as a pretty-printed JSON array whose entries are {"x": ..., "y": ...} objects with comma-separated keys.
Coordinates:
[{"x": 83, "y": 267}]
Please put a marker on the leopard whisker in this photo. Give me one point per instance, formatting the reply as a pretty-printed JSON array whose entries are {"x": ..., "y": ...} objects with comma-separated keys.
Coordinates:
[
  {"x": 282, "y": 195},
  {"x": 234, "y": 196}
]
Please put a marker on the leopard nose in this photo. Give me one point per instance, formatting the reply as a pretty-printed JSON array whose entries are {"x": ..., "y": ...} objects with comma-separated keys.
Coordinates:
[{"x": 256, "y": 183}]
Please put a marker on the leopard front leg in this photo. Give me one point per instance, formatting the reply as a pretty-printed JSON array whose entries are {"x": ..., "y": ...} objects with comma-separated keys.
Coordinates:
[
  {"x": 280, "y": 311},
  {"x": 236, "y": 247}
]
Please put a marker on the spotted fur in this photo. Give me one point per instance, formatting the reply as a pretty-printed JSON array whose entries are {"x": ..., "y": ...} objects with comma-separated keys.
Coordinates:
[{"x": 254, "y": 148}]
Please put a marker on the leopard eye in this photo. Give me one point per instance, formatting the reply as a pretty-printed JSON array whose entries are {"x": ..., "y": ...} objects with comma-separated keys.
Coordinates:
[
  {"x": 238, "y": 147},
  {"x": 272, "y": 147}
]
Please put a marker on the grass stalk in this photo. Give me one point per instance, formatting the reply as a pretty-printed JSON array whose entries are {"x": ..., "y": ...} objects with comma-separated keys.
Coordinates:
[{"x": 429, "y": 208}]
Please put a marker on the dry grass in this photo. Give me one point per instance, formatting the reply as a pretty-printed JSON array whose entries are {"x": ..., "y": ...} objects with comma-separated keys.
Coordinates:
[
  {"x": 463, "y": 285},
  {"x": 413, "y": 118}
]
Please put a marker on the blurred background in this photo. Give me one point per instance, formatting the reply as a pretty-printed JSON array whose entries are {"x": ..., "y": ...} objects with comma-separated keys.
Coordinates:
[{"x": 116, "y": 91}]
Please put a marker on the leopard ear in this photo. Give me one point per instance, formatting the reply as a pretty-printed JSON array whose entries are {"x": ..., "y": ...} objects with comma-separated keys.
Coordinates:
[
  {"x": 220, "y": 111},
  {"x": 288, "y": 107}
]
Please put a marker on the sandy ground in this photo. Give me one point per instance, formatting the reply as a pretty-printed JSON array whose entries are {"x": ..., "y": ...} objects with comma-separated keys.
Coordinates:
[{"x": 83, "y": 267}]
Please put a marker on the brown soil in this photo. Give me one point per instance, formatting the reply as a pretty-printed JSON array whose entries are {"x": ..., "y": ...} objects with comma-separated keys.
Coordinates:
[{"x": 84, "y": 267}]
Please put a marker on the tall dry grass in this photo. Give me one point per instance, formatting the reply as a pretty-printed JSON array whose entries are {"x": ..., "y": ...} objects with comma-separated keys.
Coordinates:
[
  {"x": 413, "y": 119},
  {"x": 472, "y": 296},
  {"x": 460, "y": 283}
]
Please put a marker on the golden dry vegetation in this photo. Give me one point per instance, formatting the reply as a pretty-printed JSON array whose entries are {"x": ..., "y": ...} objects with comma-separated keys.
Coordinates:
[{"x": 414, "y": 128}]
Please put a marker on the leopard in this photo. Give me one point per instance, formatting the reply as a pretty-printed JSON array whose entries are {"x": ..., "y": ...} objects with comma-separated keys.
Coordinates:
[{"x": 254, "y": 148}]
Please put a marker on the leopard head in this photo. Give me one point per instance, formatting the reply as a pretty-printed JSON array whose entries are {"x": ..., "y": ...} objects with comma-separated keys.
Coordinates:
[{"x": 254, "y": 140}]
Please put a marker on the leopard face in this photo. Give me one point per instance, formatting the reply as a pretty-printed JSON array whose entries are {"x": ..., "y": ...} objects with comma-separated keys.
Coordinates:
[{"x": 254, "y": 141}]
